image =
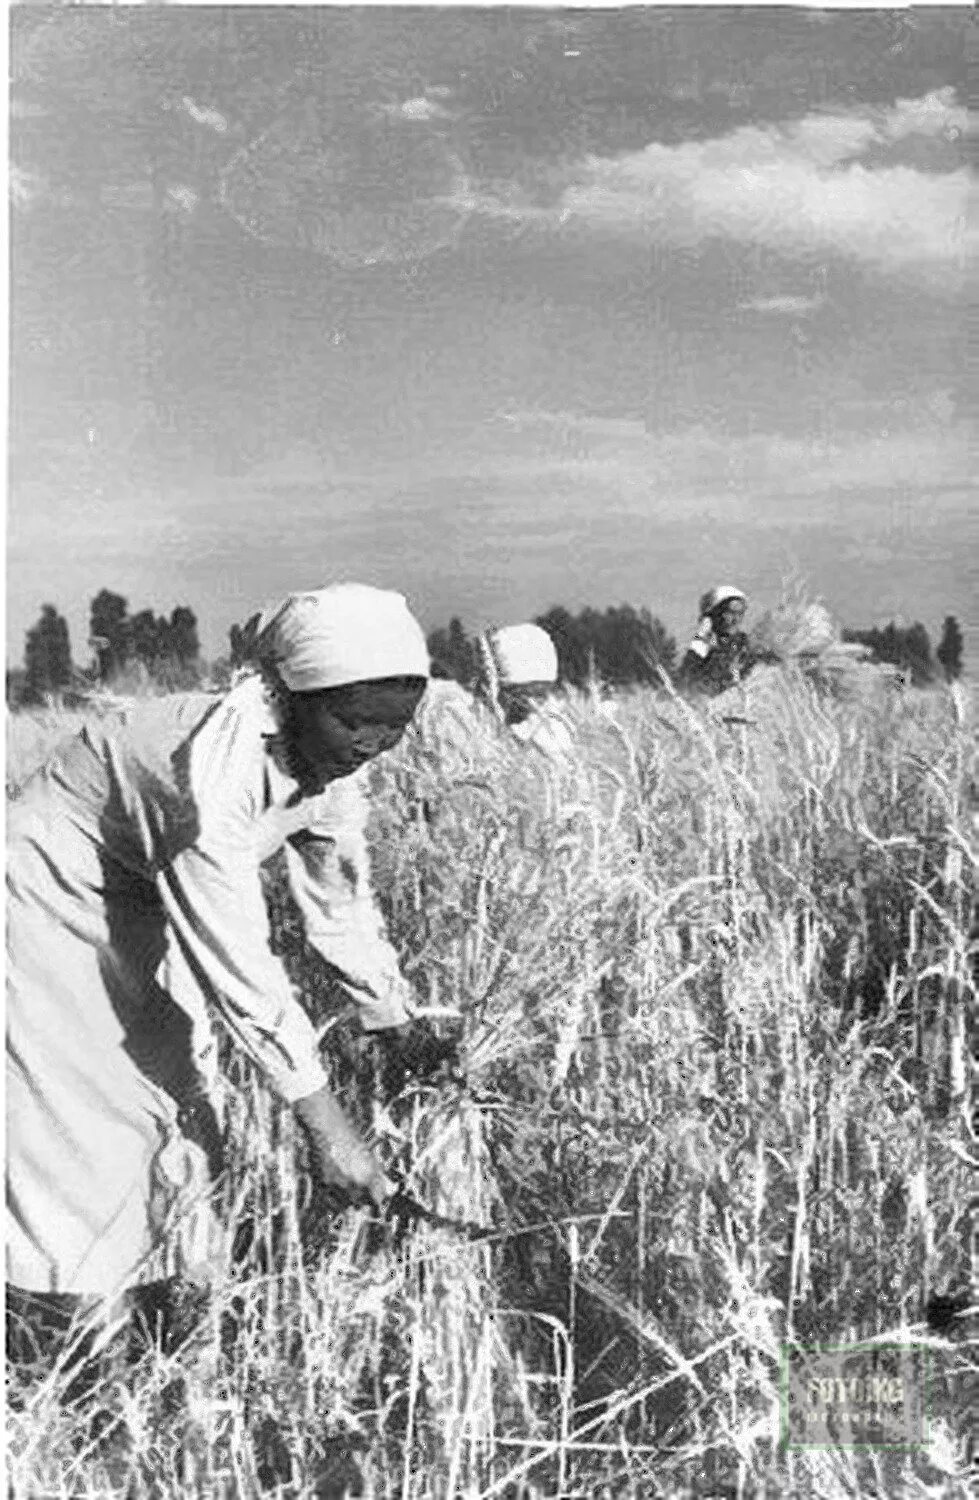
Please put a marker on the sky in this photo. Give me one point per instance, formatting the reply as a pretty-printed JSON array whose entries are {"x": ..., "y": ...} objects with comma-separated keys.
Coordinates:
[{"x": 503, "y": 308}]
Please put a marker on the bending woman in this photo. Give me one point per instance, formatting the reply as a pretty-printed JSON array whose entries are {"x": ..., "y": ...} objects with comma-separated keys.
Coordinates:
[
  {"x": 135, "y": 902},
  {"x": 518, "y": 676},
  {"x": 512, "y": 688}
]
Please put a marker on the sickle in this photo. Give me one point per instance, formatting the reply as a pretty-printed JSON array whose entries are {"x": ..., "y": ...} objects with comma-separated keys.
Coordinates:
[{"x": 404, "y": 1205}]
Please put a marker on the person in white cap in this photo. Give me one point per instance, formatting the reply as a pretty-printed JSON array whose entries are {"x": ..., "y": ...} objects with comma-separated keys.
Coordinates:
[
  {"x": 518, "y": 674},
  {"x": 719, "y": 655},
  {"x": 135, "y": 909}
]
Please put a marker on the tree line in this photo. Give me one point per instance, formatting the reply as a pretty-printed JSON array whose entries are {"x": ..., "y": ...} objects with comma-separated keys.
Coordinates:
[
  {"x": 621, "y": 646},
  {"x": 120, "y": 639},
  {"x": 166, "y": 649},
  {"x": 910, "y": 649}
]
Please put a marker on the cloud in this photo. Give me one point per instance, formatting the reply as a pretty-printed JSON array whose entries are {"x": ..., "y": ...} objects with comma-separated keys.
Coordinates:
[
  {"x": 570, "y": 424},
  {"x": 790, "y": 305},
  {"x": 23, "y": 186},
  {"x": 27, "y": 189},
  {"x": 205, "y": 115},
  {"x": 24, "y": 109},
  {"x": 936, "y": 113},
  {"x": 693, "y": 470},
  {"x": 420, "y": 109},
  {"x": 126, "y": 194},
  {"x": 797, "y": 189},
  {"x": 831, "y": 138},
  {"x": 695, "y": 464},
  {"x": 183, "y": 198}
]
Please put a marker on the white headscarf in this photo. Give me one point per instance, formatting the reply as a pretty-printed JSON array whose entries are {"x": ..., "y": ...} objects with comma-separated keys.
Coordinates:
[
  {"x": 347, "y": 632},
  {"x": 723, "y": 594},
  {"x": 523, "y": 653}
]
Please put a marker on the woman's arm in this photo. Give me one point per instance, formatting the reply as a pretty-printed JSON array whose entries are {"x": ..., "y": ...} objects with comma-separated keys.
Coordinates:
[
  {"x": 693, "y": 668},
  {"x": 219, "y": 945},
  {"x": 330, "y": 878}
]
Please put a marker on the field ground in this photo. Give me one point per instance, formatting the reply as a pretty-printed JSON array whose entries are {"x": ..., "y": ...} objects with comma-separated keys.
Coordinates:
[{"x": 714, "y": 979}]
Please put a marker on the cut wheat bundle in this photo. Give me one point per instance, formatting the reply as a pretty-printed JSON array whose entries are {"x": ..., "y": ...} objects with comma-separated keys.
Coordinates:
[{"x": 801, "y": 632}]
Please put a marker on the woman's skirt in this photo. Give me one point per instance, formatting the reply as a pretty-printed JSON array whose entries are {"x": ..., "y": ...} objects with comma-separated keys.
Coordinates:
[{"x": 111, "y": 1148}]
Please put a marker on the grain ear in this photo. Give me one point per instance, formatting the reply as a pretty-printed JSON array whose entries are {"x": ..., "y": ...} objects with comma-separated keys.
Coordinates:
[{"x": 489, "y": 677}]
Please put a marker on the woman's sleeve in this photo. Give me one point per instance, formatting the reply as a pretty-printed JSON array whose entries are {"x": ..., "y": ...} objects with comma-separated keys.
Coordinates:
[
  {"x": 219, "y": 945},
  {"x": 330, "y": 878},
  {"x": 693, "y": 666}
]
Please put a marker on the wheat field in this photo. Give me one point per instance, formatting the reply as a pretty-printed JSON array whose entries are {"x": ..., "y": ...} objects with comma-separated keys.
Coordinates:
[{"x": 714, "y": 977}]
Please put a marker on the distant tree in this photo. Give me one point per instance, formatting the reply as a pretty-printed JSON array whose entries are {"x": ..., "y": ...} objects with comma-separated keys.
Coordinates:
[
  {"x": 569, "y": 642},
  {"x": 47, "y": 655},
  {"x": 918, "y": 654},
  {"x": 633, "y": 646},
  {"x": 908, "y": 648},
  {"x": 168, "y": 648},
  {"x": 949, "y": 651},
  {"x": 184, "y": 642},
  {"x": 620, "y": 645},
  {"x": 594, "y": 632},
  {"x": 438, "y": 651},
  {"x": 144, "y": 637},
  {"x": 109, "y": 627},
  {"x": 453, "y": 653},
  {"x": 462, "y": 651},
  {"x": 219, "y": 673},
  {"x": 236, "y": 643},
  {"x": 16, "y": 686}
]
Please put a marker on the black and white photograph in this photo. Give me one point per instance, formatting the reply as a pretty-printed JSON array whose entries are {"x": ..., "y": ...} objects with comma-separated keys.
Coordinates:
[{"x": 492, "y": 760}]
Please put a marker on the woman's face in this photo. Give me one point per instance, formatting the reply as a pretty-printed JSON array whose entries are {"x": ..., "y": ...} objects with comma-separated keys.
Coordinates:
[
  {"x": 728, "y": 616},
  {"x": 518, "y": 700},
  {"x": 334, "y": 732}
]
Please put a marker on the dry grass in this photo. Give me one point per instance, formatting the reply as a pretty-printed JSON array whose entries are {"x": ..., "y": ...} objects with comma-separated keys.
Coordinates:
[{"x": 713, "y": 978}]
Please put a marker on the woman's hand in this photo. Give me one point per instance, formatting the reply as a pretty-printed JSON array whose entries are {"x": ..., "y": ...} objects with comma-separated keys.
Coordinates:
[{"x": 341, "y": 1159}]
